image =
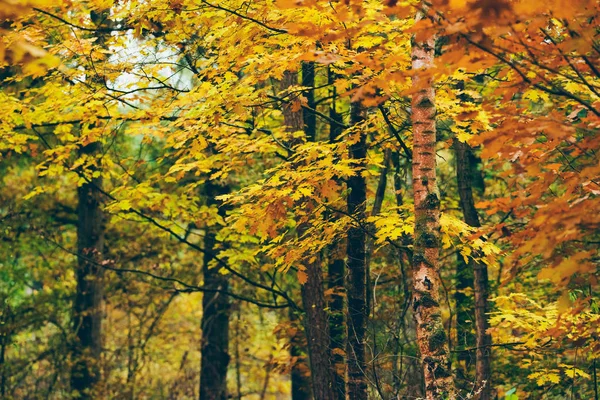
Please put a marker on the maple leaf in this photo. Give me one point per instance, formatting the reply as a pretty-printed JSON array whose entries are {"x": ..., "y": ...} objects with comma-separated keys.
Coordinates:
[{"x": 302, "y": 277}]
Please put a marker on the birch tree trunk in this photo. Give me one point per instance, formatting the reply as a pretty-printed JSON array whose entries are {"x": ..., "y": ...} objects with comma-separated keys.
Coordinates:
[{"x": 431, "y": 335}]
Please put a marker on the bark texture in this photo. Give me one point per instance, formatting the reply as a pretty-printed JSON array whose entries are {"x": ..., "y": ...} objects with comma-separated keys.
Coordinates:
[
  {"x": 308, "y": 117},
  {"x": 357, "y": 271},
  {"x": 313, "y": 297},
  {"x": 335, "y": 276},
  {"x": 87, "y": 307},
  {"x": 300, "y": 375},
  {"x": 465, "y": 339},
  {"x": 410, "y": 369},
  {"x": 215, "y": 312},
  {"x": 431, "y": 335},
  {"x": 317, "y": 333},
  {"x": 337, "y": 326},
  {"x": 483, "y": 341}
]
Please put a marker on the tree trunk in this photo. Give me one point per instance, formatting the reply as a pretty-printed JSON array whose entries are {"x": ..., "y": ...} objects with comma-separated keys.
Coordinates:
[
  {"x": 6, "y": 321},
  {"x": 483, "y": 341},
  {"x": 377, "y": 204},
  {"x": 313, "y": 297},
  {"x": 410, "y": 366},
  {"x": 464, "y": 322},
  {"x": 337, "y": 325},
  {"x": 357, "y": 273},
  {"x": 87, "y": 307},
  {"x": 335, "y": 276},
  {"x": 238, "y": 363},
  {"x": 300, "y": 375},
  {"x": 431, "y": 335},
  {"x": 215, "y": 313},
  {"x": 317, "y": 332},
  {"x": 308, "y": 117}
]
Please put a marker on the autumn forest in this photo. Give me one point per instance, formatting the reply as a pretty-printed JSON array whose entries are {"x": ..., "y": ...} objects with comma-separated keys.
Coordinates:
[{"x": 299, "y": 199}]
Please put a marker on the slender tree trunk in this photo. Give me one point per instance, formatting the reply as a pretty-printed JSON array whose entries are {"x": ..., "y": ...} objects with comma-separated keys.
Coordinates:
[
  {"x": 377, "y": 204},
  {"x": 300, "y": 374},
  {"x": 357, "y": 271},
  {"x": 238, "y": 363},
  {"x": 465, "y": 339},
  {"x": 87, "y": 307},
  {"x": 215, "y": 313},
  {"x": 595, "y": 376},
  {"x": 309, "y": 118},
  {"x": 313, "y": 297},
  {"x": 5, "y": 337},
  {"x": 337, "y": 323},
  {"x": 483, "y": 341},
  {"x": 335, "y": 276},
  {"x": 131, "y": 353},
  {"x": 431, "y": 335},
  {"x": 3, "y": 366}
]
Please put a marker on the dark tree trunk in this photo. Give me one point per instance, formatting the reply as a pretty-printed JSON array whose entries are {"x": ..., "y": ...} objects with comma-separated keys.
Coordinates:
[
  {"x": 300, "y": 373},
  {"x": 6, "y": 320},
  {"x": 87, "y": 307},
  {"x": 308, "y": 117},
  {"x": 313, "y": 297},
  {"x": 464, "y": 322},
  {"x": 238, "y": 363},
  {"x": 357, "y": 271},
  {"x": 337, "y": 326},
  {"x": 215, "y": 312},
  {"x": 377, "y": 204},
  {"x": 335, "y": 277},
  {"x": 464, "y": 176},
  {"x": 3, "y": 366},
  {"x": 483, "y": 341},
  {"x": 317, "y": 332}
]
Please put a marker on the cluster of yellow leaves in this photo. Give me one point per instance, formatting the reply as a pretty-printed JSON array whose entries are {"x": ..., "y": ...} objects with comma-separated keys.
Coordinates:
[
  {"x": 393, "y": 225},
  {"x": 23, "y": 46},
  {"x": 552, "y": 376},
  {"x": 273, "y": 209},
  {"x": 463, "y": 108},
  {"x": 399, "y": 223},
  {"x": 534, "y": 328}
]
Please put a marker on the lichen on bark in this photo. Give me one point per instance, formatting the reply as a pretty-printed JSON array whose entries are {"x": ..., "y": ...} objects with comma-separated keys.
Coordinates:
[{"x": 431, "y": 336}]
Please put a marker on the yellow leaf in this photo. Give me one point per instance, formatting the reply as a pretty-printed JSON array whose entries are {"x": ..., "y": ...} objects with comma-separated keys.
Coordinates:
[
  {"x": 305, "y": 190},
  {"x": 553, "y": 378},
  {"x": 463, "y": 136}
]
